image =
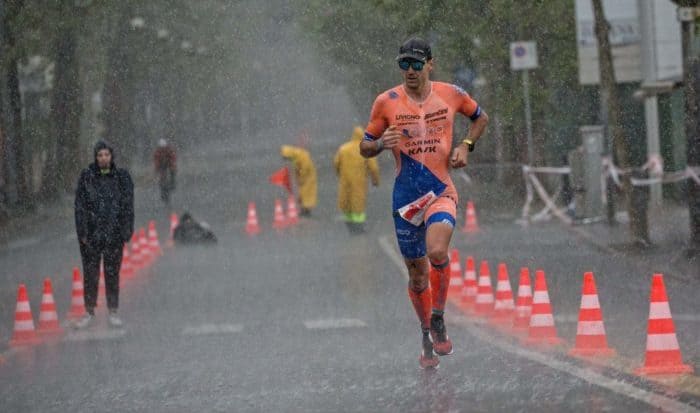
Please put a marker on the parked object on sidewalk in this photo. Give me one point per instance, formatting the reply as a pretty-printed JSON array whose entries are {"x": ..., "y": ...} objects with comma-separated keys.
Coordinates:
[
  {"x": 191, "y": 231},
  {"x": 104, "y": 221}
]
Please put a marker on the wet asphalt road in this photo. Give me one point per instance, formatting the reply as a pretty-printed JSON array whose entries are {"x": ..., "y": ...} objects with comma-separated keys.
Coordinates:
[{"x": 311, "y": 319}]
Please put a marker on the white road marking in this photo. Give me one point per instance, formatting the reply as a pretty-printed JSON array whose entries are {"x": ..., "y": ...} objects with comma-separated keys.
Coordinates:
[
  {"x": 98, "y": 335},
  {"x": 566, "y": 318},
  {"x": 686, "y": 317},
  {"x": 334, "y": 323},
  {"x": 653, "y": 399},
  {"x": 209, "y": 329}
]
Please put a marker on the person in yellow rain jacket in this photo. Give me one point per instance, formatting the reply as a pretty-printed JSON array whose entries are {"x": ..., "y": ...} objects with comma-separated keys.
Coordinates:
[
  {"x": 305, "y": 174},
  {"x": 352, "y": 170}
]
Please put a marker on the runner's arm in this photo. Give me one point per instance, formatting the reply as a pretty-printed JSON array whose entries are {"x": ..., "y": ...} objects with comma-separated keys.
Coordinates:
[
  {"x": 372, "y": 144},
  {"x": 478, "y": 127}
]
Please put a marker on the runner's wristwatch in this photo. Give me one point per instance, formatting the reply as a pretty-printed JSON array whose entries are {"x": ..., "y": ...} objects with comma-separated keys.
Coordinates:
[{"x": 469, "y": 143}]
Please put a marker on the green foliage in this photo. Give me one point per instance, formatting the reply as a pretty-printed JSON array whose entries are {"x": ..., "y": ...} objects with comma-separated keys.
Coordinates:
[{"x": 362, "y": 37}]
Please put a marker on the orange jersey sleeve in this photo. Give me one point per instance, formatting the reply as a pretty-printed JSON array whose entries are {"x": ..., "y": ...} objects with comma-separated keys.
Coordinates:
[
  {"x": 467, "y": 105},
  {"x": 378, "y": 121}
]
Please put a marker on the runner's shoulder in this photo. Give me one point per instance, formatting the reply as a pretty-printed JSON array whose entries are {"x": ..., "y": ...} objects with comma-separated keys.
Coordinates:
[
  {"x": 390, "y": 94},
  {"x": 449, "y": 88}
]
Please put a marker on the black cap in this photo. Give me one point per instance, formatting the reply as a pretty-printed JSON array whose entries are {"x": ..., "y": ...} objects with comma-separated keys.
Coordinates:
[{"x": 415, "y": 48}]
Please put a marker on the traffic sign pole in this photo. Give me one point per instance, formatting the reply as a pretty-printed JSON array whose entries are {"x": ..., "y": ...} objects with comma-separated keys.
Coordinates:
[{"x": 528, "y": 117}]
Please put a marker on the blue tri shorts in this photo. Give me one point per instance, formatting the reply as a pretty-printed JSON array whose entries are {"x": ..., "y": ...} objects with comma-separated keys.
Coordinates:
[{"x": 411, "y": 238}]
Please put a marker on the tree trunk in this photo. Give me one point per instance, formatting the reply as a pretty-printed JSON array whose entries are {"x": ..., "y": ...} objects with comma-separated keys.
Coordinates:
[
  {"x": 13, "y": 131},
  {"x": 66, "y": 109},
  {"x": 118, "y": 96},
  {"x": 636, "y": 205},
  {"x": 691, "y": 81}
]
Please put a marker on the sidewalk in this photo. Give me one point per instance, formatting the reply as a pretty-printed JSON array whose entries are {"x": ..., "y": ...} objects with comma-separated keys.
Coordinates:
[{"x": 669, "y": 232}]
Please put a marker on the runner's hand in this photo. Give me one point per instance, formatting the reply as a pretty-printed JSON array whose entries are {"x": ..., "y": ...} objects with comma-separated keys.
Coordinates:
[
  {"x": 391, "y": 137},
  {"x": 459, "y": 157}
]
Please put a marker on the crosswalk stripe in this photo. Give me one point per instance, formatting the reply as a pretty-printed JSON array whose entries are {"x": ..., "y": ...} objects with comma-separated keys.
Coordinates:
[
  {"x": 100, "y": 335},
  {"x": 334, "y": 323},
  {"x": 209, "y": 329}
]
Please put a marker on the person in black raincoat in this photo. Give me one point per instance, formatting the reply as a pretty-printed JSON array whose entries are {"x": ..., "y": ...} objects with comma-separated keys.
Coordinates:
[{"x": 104, "y": 222}]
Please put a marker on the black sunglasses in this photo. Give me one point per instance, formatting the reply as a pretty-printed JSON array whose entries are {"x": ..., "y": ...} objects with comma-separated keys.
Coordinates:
[{"x": 417, "y": 65}]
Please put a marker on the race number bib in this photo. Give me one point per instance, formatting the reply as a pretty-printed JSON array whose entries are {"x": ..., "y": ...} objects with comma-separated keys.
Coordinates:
[{"x": 415, "y": 211}]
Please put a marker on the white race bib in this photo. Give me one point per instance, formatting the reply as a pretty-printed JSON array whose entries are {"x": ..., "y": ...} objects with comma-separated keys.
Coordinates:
[{"x": 415, "y": 211}]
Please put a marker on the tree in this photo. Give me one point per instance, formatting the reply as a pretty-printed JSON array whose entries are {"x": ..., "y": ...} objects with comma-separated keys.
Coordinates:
[
  {"x": 608, "y": 94},
  {"x": 691, "y": 86},
  {"x": 15, "y": 156},
  {"x": 66, "y": 105}
]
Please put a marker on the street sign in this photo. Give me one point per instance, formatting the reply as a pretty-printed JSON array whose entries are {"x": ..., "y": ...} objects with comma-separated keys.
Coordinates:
[
  {"x": 523, "y": 55},
  {"x": 626, "y": 32}
]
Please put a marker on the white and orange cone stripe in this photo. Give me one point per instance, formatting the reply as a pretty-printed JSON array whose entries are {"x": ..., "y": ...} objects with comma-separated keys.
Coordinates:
[
  {"x": 48, "y": 318},
  {"x": 469, "y": 289},
  {"x": 663, "y": 355},
  {"x": 136, "y": 257},
  {"x": 484, "y": 295},
  {"x": 542, "y": 329},
  {"x": 24, "y": 332},
  {"x": 279, "y": 221},
  {"x": 456, "y": 283},
  {"x": 292, "y": 214},
  {"x": 590, "y": 331},
  {"x": 77, "y": 301},
  {"x": 503, "y": 306},
  {"x": 523, "y": 306}
]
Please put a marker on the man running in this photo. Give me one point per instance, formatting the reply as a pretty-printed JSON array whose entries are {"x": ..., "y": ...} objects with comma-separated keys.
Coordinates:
[{"x": 414, "y": 120}]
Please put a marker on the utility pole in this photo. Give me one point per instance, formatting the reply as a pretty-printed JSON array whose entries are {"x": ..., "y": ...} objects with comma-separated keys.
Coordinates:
[{"x": 649, "y": 77}]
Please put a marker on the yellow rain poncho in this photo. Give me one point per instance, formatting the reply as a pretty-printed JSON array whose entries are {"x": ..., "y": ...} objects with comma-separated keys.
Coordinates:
[
  {"x": 352, "y": 170},
  {"x": 305, "y": 174}
]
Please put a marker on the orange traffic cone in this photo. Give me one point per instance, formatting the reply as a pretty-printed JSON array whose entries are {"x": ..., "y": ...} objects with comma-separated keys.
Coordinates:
[
  {"x": 279, "y": 221},
  {"x": 174, "y": 221},
  {"x": 523, "y": 306},
  {"x": 590, "y": 332},
  {"x": 542, "y": 329},
  {"x": 484, "y": 293},
  {"x": 48, "y": 318},
  {"x": 456, "y": 283},
  {"x": 101, "y": 290},
  {"x": 126, "y": 270},
  {"x": 77, "y": 300},
  {"x": 663, "y": 354},
  {"x": 292, "y": 214},
  {"x": 504, "y": 307},
  {"x": 136, "y": 258},
  {"x": 153, "y": 243},
  {"x": 24, "y": 332},
  {"x": 146, "y": 255},
  {"x": 470, "y": 222},
  {"x": 251, "y": 226},
  {"x": 469, "y": 289}
]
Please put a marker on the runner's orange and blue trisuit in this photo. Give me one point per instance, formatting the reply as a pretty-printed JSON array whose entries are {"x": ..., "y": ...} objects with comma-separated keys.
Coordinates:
[{"x": 423, "y": 190}]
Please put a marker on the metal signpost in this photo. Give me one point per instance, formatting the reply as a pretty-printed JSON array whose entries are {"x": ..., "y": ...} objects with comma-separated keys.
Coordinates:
[{"x": 523, "y": 57}]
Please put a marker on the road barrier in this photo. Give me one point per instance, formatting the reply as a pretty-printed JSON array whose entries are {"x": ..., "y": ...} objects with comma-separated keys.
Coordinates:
[{"x": 533, "y": 185}]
